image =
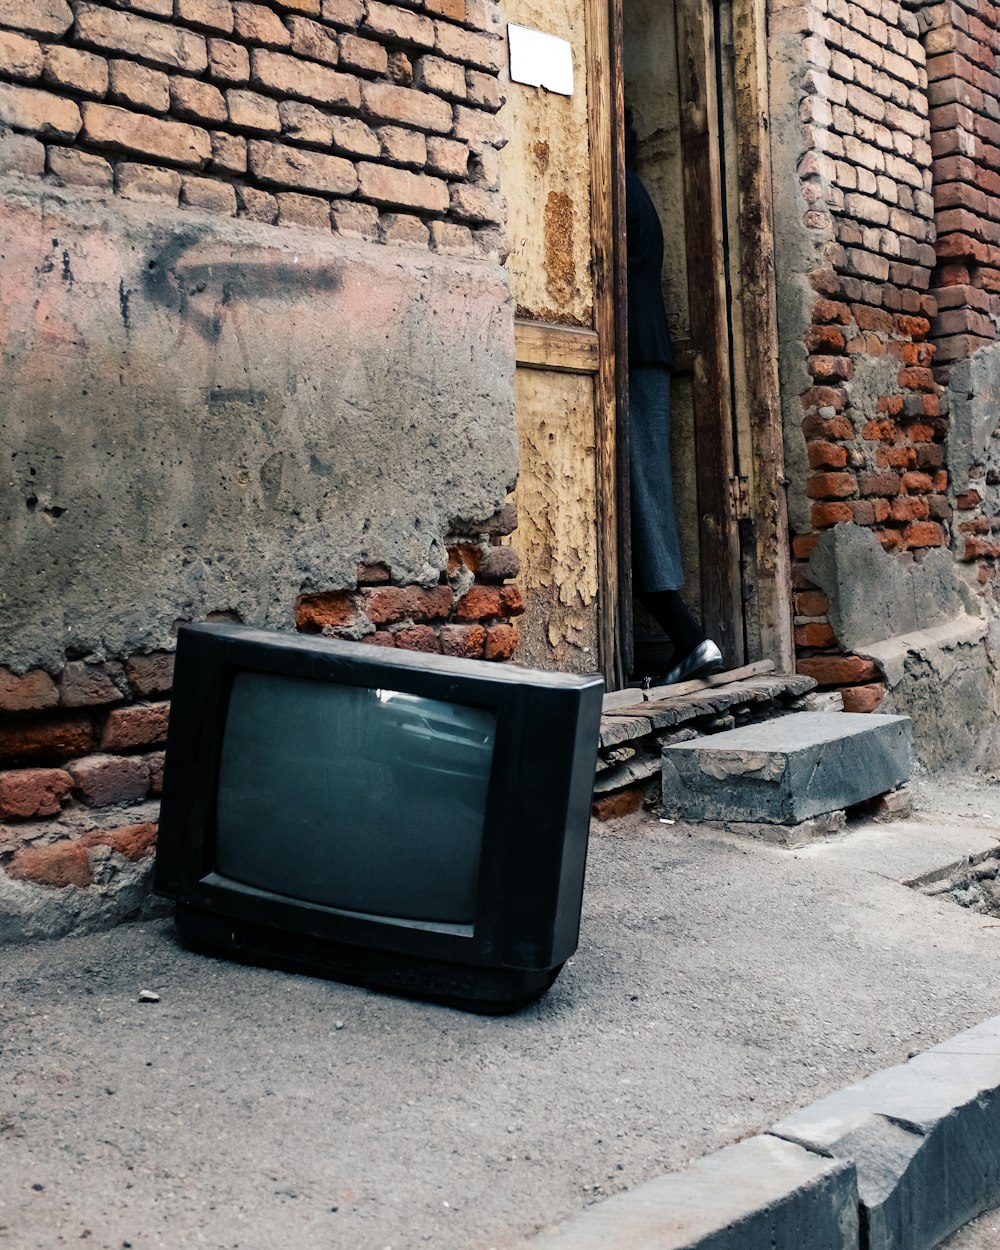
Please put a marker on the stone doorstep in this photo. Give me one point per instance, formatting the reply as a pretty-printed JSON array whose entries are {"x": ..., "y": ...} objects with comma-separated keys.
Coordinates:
[
  {"x": 789, "y": 770},
  {"x": 898, "y": 1161},
  {"x": 632, "y": 737}
]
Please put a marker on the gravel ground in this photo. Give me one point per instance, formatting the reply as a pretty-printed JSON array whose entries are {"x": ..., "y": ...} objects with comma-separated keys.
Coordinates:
[{"x": 719, "y": 985}]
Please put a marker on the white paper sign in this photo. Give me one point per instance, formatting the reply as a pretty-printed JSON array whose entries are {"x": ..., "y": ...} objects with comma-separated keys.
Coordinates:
[{"x": 540, "y": 60}]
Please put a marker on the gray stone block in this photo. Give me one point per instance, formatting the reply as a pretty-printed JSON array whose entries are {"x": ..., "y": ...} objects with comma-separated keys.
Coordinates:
[
  {"x": 924, "y": 1137},
  {"x": 787, "y": 770},
  {"x": 760, "y": 1193}
]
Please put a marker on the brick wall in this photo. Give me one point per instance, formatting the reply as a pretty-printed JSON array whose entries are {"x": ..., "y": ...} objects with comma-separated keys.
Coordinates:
[
  {"x": 963, "y": 44},
  {"x": 365, "y": 118},
  {"x": 309, "y": 415},
  {"x": 81, "y": 749},
  {"x": 872, "y": 420}
]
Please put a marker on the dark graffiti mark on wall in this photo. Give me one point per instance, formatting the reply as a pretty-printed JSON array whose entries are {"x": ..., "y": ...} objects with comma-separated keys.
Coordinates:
[{"x": 171, "y": 284}]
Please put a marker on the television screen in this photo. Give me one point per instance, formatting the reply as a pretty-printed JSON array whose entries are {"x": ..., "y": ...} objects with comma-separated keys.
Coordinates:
[
  {"x": 410, "y": 822},
  {"x": 372, "y": 801}
]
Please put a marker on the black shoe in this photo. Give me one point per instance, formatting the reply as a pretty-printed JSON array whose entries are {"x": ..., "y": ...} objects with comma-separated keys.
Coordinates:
[{"x": 706, "y": 658}]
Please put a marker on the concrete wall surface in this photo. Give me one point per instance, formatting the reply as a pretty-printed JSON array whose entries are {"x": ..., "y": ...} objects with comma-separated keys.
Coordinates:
[{"x": 202, "y": 414}]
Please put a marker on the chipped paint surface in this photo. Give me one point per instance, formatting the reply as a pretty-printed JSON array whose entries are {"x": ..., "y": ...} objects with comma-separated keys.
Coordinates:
[
  {"x": 546, "y": 179},
  {"x": 555, "y": 537}
]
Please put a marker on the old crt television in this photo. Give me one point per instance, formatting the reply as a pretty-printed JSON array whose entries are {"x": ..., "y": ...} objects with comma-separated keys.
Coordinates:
[{"x": 405, "y": 821}]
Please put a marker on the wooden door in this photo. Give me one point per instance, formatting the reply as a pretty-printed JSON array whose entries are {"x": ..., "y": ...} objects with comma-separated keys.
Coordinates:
[{"x": 558, "y": 181}]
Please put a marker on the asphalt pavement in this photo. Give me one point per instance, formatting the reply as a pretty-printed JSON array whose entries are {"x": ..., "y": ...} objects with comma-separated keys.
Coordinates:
[{"x": 720, "y": 984}]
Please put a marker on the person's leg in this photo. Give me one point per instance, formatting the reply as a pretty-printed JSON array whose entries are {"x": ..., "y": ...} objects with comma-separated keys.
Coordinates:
[{"x": 695, "y": 655}]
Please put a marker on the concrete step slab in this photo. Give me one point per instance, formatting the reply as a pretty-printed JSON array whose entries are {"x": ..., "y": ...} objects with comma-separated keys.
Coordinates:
[
  {"x": 788, "y": 770},
  {"x": 760, "y": 1193}
]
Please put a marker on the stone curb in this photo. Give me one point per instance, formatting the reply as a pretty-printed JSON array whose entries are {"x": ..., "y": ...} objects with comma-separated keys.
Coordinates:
[{"x": 898, "y": 1161}]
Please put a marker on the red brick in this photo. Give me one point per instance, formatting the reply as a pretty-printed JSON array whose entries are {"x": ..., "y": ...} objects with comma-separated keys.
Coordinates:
[
  {"x": 838, "y": 670},
  {"x": 830, "y": 368},
  {"x": 212, "y": 14},
  {"x": 32, "y": 692},
  {"x": 872, "y": 318},
  {"x": 26, "y": 792},
  {"x": 824, "y": 339},
  {"x": 463, "y": 640},
  {"x": 618, "y": 804},
  {"x": 831, "y": 485},
  {"x": 884, "y": 485},
  {"x": 479, "y": 603},
  {"x": 25, "y": 108},
  {"x": 143, "y": 725},
  {"x": 501, "y": 642},
  {"x": 381, "y": 638},
  {"x": 384, "y": 102},
  {"x": 863, "y": 698},
  {"x": 157, "y": 42},
  {"x": 257, "y": 205},
  {"x": 386, "y": 604},
  {"x": 511, "y": 602},
  {"x": 971, "y": 499},
  {"x": 75, "y": 70},
  {"x": 478, "y": 50},
  {"x": 308, "y": 171},
  {"x": 106, "y": 125},
  {"x": 803, "y": 545},
  {"x": 48, "y": 739},
  {"x": 826, "y": 514},
  {"x": 347, "y": 13},
  {"x": 400, "y": 188},
  {"x": 210, "y": 194},
  {"x": 417, "y": 638},
  {"x": 21, "y": 58},
  {"x": 87, "y": 685},
  {"x": 832, "y": 311},
  {"x": 147, "y": 183},
  {"x": 102, "y": 780},
  {"x": 910, "y": 508},
  {"x": 308, "y": 211},
  {"x": 824, "y": 455},
  {"x": 896, "y": 457},
  {"x": 139, "y": 85},
  {"x": 923, "y": 534},
  {"x": 815, "y": 634},
  {"x": 197, "y": 101},
  {"x": 337, "y": 609},
  {"x": 398, "y": 24},
  {"x": 862, "y": 511},
  {"x": 313, "y": 40},
  {"x": 228, "y": 61},
  {"x": 65, "y": 863},
  {"x": 38, "y": 17},
  {"x": 364, "y": 55},
  {"x": 257, "y": 24},
  {"x": 917, "y": 483},
  {"x": 302, "y": 80},
  {"x": 135, "y": 842},
  {"x": 811, "y": 603},
  {"x": 152, "y": 673}
]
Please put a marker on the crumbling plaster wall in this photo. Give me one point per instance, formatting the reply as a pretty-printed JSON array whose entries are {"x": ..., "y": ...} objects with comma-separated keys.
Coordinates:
[{"x": 211, "y": 415}]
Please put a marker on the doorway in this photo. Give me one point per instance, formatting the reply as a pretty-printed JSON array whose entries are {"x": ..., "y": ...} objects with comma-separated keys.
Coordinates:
[{"x": 694, "y": 75}]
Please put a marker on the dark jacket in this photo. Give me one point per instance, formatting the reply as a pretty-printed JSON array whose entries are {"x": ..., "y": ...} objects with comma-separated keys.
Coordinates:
[{"x": 648, "y": 332}]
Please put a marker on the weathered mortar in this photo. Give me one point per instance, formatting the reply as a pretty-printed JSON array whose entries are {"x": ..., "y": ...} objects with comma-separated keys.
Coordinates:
[{"x": 207, "y": 414}]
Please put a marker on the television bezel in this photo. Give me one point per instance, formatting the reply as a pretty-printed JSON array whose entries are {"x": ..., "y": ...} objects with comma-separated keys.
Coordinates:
[{"x": 534, "y": 847}]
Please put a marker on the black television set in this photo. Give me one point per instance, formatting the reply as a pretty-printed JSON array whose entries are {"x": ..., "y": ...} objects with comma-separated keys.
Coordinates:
[{"x": 410, "y": 822}]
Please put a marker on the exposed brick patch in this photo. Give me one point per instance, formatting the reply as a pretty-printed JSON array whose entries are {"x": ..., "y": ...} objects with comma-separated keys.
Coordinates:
[
  {"x": 64, "y": 864},
  {"x": 32, "y": 691},
  {"x": 386, "y": 98},
  {"x": 49, "y": 738},
  {"x": 27, "y": 792},
  {"x": 617, "y": 804},
  {"x": 104, "y": 780},
  {"x": 142, "y": 725},
  {"x": 135, "y": 842}
]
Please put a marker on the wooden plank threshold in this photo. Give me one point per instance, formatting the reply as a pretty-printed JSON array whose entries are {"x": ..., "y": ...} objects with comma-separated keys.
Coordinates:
[{"x": 634, "y": 697}]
